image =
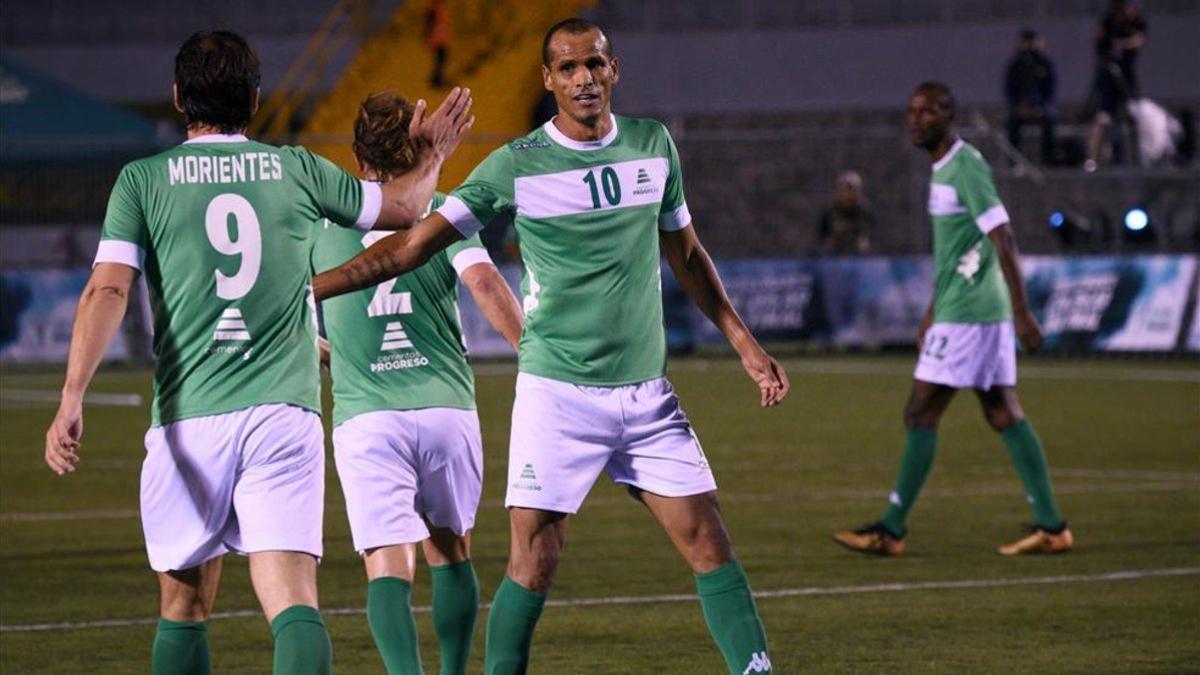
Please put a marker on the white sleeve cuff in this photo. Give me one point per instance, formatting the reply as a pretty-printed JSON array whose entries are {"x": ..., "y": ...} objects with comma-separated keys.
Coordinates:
[
  {"x": 470, "y": 257},
  {"x": 992, "y": 218},
  {"x": 372, "y": 203},
  {"x": 120, "y": 251},
  {"x": 675, "y": 220},
  {"x": 460, "y": 216}
]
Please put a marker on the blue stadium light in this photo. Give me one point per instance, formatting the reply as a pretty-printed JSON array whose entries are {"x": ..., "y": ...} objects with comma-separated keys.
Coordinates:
[
  {"x": 1136, "y": 219},
  {"x": 1057, "y": 219}
]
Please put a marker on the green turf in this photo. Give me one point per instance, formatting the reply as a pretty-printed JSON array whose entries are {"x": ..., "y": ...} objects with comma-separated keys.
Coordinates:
[{"x": 1125, "y": 455}]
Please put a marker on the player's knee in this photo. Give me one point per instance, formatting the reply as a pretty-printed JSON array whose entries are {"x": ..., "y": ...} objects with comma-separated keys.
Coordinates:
[
  {"x": 185, "y": 607},
  {"x": 1001, "y": 418},
  {"x": 535, "y": 572},
  {"x": 920, "y": 417},
  {"x": 707, "y": 554}
]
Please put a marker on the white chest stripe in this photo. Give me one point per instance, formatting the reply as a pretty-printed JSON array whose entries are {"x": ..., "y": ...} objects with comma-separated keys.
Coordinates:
[
  {"x": 943, "y": 200},
  {"x": 638, "y": 182}
]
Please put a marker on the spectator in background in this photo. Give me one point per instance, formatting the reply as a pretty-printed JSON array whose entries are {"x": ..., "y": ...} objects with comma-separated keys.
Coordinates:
[
  {"x": 1119, "y": 40},
  {"x": 1030, "y": 83},
  {"x": 437, "y": 38},
  {"x": 846, "y": 225}
]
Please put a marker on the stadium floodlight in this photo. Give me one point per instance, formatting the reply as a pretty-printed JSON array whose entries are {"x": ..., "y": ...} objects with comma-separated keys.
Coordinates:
[
  {"x": 1136, "y": 219},
  {"x": 1139, "y": 229},
  {"x": 1069, "y": 225}
]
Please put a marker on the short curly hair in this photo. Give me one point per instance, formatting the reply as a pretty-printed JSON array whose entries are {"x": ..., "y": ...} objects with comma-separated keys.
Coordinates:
[{"x": 381, "y": 139}]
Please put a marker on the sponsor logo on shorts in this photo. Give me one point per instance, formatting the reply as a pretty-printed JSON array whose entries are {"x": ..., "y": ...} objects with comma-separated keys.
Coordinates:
[{"x": 527, "y": 480}]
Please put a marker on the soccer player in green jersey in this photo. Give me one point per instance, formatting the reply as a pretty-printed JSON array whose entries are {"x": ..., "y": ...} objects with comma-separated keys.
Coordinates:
[
  {"x": 406, "y": 435},
  {"x": 596, "y": 200},
  {"x": 967, "y": 337},
  {"x": 222, "y": 227}
]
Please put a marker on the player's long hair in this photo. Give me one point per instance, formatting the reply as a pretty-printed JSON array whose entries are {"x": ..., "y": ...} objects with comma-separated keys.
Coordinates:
[
  {"x": 381, "y": 139},
  {"x": 217, "y": 74}
]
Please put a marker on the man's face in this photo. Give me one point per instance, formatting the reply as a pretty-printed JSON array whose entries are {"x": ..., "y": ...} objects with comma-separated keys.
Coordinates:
[
  {"x": 928, "y": 119},
  {"x": 847, "y": 193},
  {"x": 581, "y": 75}
]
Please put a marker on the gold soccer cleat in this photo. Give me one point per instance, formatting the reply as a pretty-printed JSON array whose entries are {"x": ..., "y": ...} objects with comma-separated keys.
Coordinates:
[
  {"x": 873, "y": 539},
  {"x": 1040, "y": 541}
]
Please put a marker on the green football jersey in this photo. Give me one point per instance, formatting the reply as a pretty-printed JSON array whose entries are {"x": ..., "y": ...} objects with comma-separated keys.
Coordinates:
[
  {"x": 588, "y": 216},
  {"x": 963, "y": 205},
  {"x": 222, "y": 228},
  {"x": 397, "y": 346}
]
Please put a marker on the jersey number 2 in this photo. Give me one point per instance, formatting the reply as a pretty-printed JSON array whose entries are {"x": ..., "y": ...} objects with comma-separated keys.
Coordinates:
[{"x": 385, "y": 302}]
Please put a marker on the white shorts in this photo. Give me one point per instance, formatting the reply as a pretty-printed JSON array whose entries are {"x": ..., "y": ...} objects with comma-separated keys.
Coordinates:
[
  {"x": 401, "y": 467},
  {"x": 564, "y": 435},
  {"x": 246, "y": 481},
  {"x": 969, "y": 355}
]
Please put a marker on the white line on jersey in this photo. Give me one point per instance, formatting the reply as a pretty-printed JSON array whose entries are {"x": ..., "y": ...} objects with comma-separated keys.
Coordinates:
[{"x": 947, "y": 584}]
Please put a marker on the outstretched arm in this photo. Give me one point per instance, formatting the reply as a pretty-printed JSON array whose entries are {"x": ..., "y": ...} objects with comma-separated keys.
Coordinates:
[
  {"x": 389, "y": 257},
  {"x": 1028, "y": 330},
  {"x": 101, "y": 309},
  {"x": 696, "y": 273},
  {"x": 435, "y": 137},
  {"x": 495, "y": 300}
]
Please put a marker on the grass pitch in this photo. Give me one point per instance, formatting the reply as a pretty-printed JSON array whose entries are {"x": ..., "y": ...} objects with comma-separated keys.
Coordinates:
[{"x": 1124, "y": 445}]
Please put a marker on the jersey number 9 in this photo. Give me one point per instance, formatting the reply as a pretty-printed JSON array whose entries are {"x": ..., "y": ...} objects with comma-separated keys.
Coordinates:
[{"x": 248, "y": 243}]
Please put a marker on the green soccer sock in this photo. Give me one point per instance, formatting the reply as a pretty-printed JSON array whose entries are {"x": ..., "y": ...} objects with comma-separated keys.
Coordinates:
[
  {"x": 181, "y": 648},
  {"x": 389, "y": 614},
  {"x": 302, "y": 644},
  {"x": 1025, "y": 449},
  {"x": 733, "y": 619},
  {"x": 455, "y": 606},
  {"x": 919, "y": 448},
  {"x": 514, "y": 614}
]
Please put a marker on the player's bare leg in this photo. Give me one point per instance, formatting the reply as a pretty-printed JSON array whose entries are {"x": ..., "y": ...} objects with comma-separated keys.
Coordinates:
[
  {"x": 186, "y": 601},
  {"x": 286, "y": 585},
  {"x": 537, "y": 539},
  {"x": 455, "y": 595},
  {"x": 1002, "y": 409},
  {"x": 695, "y": 527},
  {"x": 927, "y": 402}
]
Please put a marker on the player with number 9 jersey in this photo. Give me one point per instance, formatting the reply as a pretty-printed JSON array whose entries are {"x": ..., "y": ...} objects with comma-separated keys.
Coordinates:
[{"x": 221, "y": 226}]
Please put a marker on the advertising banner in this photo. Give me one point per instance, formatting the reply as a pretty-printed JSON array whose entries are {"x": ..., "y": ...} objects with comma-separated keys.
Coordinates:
[
  {"x": 37, "y": 308},
  {"x": 1110, "y": 303}
]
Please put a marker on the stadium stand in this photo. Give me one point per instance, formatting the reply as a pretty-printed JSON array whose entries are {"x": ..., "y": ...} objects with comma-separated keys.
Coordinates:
[{"x": 492, "y": 57}]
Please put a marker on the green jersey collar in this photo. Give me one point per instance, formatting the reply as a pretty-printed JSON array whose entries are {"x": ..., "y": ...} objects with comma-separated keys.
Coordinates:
[{"x": 561, "y": 138}]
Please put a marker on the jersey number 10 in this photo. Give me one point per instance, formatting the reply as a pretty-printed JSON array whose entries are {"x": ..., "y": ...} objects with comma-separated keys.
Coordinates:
[{"x": 608, "y": 180}]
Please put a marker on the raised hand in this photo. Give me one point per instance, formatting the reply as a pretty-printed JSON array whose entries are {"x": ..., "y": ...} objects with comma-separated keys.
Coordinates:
[
  {"x": 62, "y": 438},
  {"x": 443, "y": 130},
  {"x": 768, "y": 375}
]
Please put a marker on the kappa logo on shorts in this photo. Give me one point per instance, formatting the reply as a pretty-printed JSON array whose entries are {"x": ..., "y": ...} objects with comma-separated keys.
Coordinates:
[{"x": 527, "y": 480}]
